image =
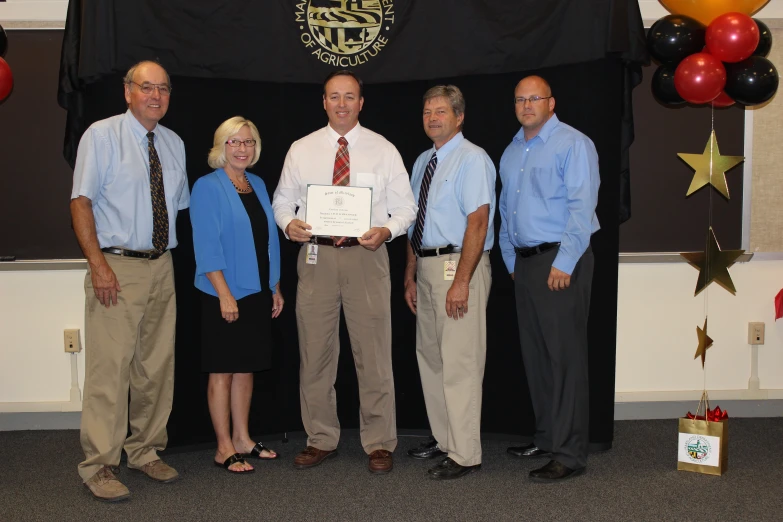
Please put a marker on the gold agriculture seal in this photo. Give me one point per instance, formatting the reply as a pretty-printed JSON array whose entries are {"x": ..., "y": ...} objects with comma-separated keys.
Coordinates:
[{"x": 344, "y": 33}]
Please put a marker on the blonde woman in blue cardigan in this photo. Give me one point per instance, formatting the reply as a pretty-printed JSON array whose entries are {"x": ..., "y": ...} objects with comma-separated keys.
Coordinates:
[{"x": 238, "y": 272}]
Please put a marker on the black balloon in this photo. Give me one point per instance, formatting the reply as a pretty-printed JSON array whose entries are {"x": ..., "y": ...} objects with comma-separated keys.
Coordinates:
[
  {"x": 663, "y": 86},
  {"x": 3, "y": 42},
  {"x": 674, "y": 37},
  {"x": 752, "y": 81},
  {"x": 765, "y": 40}
]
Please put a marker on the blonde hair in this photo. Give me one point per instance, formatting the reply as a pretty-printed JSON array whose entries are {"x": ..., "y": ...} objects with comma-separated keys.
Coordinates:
[{"x": 217, "y": 155}]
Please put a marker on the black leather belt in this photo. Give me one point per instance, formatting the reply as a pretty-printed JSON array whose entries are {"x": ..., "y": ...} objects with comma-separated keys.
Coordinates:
[
  {"x": 448, "y": 249},
  {"x": 534, "y": 250},
  {"x": 328, "y": 241},
  {"x": 133, "y": 253}
]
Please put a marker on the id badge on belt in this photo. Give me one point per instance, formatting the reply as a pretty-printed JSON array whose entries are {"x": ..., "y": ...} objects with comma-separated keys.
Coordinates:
[
  {"x": 449, "y": 270},
  {"x": 311, "y": 254}
]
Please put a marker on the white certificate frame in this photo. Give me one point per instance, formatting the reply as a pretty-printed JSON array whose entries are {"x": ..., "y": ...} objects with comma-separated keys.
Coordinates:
[{"x": 339, "y": 211}]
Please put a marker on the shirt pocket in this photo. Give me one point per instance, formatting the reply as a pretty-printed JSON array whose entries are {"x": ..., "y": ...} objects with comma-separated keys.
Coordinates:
[
  {"x": 542, "y": 183},
  {"x": 371, "y": 180},
  {"x": 174, "y": 181}
]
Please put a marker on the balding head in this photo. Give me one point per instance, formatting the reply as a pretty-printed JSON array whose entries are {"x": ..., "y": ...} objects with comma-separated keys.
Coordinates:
[{"x": 532, "y": 115}]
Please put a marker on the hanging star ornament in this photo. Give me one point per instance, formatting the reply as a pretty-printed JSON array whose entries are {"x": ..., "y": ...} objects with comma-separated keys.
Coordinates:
[
  {"x": 710, "y": 167},
  {"x": 713, "y": 264},
  {"x": 705, "y": 342}
]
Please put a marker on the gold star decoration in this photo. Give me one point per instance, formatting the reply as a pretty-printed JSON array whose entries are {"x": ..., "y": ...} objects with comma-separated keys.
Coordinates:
[
  {"x": 710, "y": 167},
  {"x": 705, "y": 342},
  {"x": 713, "y": 264}
]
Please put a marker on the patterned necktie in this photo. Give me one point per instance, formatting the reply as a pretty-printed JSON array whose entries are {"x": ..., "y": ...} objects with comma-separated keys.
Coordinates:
[
  {"x": 160, "y": 214},
  {"x": 418, "y": 230},
  {"x": 342, "y": 164}
]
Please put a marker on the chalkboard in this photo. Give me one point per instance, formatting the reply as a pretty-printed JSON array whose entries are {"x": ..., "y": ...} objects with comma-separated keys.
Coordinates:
[{"x": 35, "y": 180}]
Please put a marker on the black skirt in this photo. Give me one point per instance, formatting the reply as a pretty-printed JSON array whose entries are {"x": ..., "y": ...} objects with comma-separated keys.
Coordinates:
[{"x": 245, "y": 345}]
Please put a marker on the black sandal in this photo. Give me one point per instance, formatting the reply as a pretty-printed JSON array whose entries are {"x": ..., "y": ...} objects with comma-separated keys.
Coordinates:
[
  {"x": 234, "y": 459},
  {"x": 258, "y": 448}
]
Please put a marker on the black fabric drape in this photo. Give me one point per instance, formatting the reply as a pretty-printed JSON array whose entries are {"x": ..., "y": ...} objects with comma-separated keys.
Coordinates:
[{"x": 227, "y": 58}]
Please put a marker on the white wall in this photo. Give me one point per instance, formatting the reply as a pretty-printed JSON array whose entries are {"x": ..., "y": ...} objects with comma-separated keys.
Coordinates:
[
  {"x": 23, "y": 10},
  {"x": 35, "y": 308}
]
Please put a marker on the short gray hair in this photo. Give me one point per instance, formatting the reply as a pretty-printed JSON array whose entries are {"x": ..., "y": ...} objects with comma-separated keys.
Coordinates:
[
  {"x": 450, "y": 92},
  {"x": 217, "y": 155},
  {"x": 132, "y": 72}
]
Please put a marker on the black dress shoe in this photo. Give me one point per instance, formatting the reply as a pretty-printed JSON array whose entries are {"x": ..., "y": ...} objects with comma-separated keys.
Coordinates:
[
  {"x": 448, "y": 469},
  {"x": 554, "y": 472},
  {"x": 531, "y": 450},
  {"x": 428, "y": 450}
]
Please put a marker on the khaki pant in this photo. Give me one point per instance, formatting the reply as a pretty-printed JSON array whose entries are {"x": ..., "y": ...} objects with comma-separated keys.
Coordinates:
[
  {"x": 358, "y": 281},
  {"x": 129, "y": 346},
  {"x": 451, "y": 356}
]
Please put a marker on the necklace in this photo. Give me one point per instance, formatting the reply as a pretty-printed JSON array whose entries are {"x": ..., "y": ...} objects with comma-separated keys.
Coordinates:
[{"x": 247, "y": 190}]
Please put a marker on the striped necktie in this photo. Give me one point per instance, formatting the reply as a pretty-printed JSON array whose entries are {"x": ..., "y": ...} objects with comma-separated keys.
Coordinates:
[
  {"x": 418, "y": 230},
  {"x": 160, "y": 214},
  {"x": 342, "y": 164}
]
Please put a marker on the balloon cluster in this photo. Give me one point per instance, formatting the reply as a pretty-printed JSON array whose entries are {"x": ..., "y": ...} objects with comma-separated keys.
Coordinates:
[
  {"x": 6, "y": 78},
  {"x": 721, "y": 63}
]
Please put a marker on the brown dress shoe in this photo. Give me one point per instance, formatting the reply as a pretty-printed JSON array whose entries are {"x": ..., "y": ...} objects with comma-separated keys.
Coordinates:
[
  {"x": 311, "y": 456},
  {"x": 105, "y": 486},
  {"x": 158, "y": 471},
  {"x": 381, "y": 461}
]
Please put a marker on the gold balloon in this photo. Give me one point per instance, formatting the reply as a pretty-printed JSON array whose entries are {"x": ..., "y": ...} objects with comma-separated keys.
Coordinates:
[{"x": 705, "y": 11}]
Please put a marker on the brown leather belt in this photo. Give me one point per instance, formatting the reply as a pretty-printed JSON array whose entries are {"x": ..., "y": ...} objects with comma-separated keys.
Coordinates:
[
  {"x": 329, "y": 241},
  {"x": 133, "y": 253}
]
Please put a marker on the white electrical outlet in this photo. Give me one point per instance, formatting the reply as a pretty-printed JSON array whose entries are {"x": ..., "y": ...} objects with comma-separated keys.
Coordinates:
[
  {"x": 755, "y": 333},
  {"x": 71, "y": 338}
]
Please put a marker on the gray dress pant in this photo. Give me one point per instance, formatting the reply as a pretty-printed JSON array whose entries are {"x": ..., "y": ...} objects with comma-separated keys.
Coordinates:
[{"x": 553, "y": 336}]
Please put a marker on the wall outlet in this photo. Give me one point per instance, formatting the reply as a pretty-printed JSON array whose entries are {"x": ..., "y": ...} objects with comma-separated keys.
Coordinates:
[
  {"x": 71, "y": 338},
  {"x": 755, "y": 333}
]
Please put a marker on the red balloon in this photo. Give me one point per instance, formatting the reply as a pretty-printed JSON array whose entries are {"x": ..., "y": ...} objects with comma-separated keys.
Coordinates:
[
  {"x": 6, "y": 80},
  {"x": 723, "y": 100},
  {"x": 700, "y": 78},
  {"x": 732, "y": 37}
]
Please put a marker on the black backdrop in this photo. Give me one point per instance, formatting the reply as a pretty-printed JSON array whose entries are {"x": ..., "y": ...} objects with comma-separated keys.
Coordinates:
[
  {"x": 215, "y": 52},
  {"x": 588, "y": 97}
]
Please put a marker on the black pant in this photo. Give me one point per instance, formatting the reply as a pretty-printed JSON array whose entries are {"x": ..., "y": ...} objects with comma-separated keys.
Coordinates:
[{"x": 553, "y": 335}]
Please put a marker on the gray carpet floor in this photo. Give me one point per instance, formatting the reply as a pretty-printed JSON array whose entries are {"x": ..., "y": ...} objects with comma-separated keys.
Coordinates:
[{"x": 635, "y": 481}]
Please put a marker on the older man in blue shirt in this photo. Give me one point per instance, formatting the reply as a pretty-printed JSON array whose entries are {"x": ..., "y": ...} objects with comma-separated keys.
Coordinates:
[
  {"x": 447, "y": 281},
  {"x": 128, "y": 184},
  {"x": 547, "y": 207}
]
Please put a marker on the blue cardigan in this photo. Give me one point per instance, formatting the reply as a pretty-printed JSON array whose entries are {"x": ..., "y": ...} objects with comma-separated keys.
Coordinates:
[{"x": 223, "y": 238}]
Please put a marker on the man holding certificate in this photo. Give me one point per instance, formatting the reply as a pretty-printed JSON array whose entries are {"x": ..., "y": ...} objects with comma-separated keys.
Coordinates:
[
  {"x": 356, "y": 178},
  {"x": 447, "y": 282}
]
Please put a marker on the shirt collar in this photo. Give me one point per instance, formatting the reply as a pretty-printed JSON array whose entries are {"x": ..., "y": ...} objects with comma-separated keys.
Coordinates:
[
  {"x": 544, "y": 133},
  {"x": 138, "y": 129},
  {"x": 352, "y": 136},
  {"x": 449, "y": 146}
]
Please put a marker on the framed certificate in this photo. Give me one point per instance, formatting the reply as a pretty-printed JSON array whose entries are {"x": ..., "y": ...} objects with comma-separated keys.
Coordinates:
[{"x": 338, "y": 211}]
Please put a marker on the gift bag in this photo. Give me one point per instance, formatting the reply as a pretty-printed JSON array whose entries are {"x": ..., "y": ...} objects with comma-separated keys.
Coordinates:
[{"x": 704, "y": 441}]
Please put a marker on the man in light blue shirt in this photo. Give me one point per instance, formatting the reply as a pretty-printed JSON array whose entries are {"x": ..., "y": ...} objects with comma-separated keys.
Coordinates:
[
  {"x": 128, "y": 184},
  {"x": 447, "y": 282},
  {"x": 547, "y": 206}
]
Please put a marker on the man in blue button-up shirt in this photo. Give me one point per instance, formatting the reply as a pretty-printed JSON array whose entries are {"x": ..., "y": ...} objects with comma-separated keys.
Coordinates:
[
  {"x": 447, "y": 281},
  {"x": 547, "y": 207},
  {"x": 130, "y": 299}
]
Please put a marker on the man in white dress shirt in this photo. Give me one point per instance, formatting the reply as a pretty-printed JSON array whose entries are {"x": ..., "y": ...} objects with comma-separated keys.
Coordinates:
[{"x": 352, "y": 273}]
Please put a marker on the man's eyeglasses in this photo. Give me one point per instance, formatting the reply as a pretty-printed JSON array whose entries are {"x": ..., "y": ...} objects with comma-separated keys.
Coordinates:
[
  {"x": 148, "y": 88},
  {"x": 533, "y": 99},
  {"x": 237, "y": 143}
]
